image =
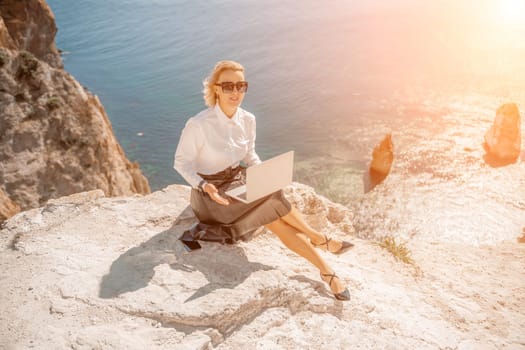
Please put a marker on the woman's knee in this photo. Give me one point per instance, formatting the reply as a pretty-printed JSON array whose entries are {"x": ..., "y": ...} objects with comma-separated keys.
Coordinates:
[
  {"x": 274, "y": 225},
  {"x": 281, "y": 228}
]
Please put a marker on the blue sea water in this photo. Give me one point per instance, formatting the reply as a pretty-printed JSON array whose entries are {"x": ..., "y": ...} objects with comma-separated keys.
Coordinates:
[{"x": 327, "y": 79}]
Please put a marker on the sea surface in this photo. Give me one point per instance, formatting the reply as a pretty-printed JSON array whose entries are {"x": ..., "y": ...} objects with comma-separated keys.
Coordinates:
[{"x": 327, "y": 79}]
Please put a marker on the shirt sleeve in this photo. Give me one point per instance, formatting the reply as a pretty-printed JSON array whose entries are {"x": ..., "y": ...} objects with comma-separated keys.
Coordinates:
[
  {"x": 251, "y": 157},
  {"x": 187, "y": 152}
]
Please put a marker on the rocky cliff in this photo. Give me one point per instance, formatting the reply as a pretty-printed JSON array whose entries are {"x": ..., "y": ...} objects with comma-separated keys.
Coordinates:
[
  {"x": 8, "y": 208},
  {"x": 55, "y": 137},
  {"x": 29, "y": 26},
  {"x": 90, "y": 272}
]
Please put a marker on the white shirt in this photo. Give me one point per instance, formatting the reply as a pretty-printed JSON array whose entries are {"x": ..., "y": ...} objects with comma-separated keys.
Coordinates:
[{"x": 210, "y": 142}]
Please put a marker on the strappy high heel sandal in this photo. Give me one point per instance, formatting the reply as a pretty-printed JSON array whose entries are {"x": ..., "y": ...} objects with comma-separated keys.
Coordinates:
[
  {"x": 344, "y": 295},
  {"x": 345, "y": 246}
]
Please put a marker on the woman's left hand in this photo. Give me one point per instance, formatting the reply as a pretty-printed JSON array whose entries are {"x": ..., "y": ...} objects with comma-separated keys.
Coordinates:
[{"x": 212, "y": 191}]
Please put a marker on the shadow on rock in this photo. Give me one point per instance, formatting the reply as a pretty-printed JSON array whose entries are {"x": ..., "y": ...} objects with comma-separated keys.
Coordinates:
[{"x": 224, "y": 266}]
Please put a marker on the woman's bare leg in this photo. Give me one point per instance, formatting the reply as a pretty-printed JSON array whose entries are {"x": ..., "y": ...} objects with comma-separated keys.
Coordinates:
[
  {"x": 295, "y": 219},
  {"x": 296, "y": 242}
]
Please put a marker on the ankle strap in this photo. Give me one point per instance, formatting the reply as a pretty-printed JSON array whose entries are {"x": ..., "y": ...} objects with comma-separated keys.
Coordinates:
[{"x": 332, "y": 276}]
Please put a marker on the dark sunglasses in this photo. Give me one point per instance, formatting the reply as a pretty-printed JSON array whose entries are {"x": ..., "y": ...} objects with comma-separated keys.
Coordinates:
[{"x": 227, "y": 86}]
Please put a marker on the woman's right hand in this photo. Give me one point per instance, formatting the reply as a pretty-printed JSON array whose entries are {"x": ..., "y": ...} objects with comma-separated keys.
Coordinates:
[{"x": 212, "y": 191}]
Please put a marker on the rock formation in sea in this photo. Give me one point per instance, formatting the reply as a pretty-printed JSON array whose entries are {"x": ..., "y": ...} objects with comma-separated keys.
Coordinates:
[
  {"x": 503, "y": 140},
  {"x": 55, "y": 136},
  {"x": 382, "y": 158}
]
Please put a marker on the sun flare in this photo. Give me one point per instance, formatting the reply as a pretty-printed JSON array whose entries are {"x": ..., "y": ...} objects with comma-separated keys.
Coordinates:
[
  {"x": 503, "y": 24},
  {"x": 513, "y": 10}
]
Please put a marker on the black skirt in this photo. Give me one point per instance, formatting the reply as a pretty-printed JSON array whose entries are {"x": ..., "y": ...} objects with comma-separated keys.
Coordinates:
[{"x": 237, "y": 220}]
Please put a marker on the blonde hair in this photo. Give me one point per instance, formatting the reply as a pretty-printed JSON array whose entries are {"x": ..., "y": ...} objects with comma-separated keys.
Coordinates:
[{"x": 210, "y": 97}]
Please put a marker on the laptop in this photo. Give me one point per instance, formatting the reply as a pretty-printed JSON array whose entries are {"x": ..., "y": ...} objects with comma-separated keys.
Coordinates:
[{"x": 265, "y": 178}]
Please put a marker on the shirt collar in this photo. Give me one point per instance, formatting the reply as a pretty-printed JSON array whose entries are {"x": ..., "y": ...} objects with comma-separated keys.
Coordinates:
[{"x": 224, "y": 118}]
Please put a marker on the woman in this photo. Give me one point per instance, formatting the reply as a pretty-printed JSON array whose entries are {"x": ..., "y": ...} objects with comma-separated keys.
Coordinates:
[{"x": 211, "y": 147}]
